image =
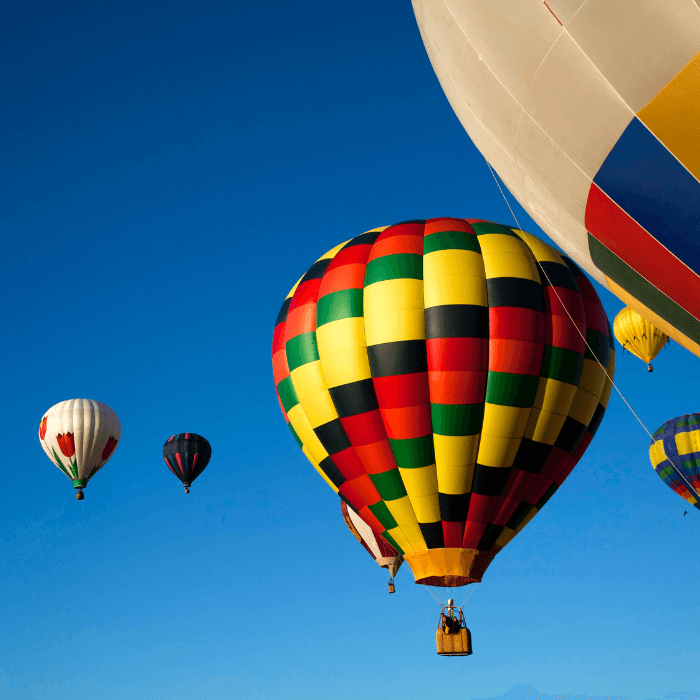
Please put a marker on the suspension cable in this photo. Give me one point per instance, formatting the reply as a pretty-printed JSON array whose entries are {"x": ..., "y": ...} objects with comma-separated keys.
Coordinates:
[
  {"x": 469, "y": 595},
  {"x": 430, "y": 624},
  {"x": 439, "y": 602}
]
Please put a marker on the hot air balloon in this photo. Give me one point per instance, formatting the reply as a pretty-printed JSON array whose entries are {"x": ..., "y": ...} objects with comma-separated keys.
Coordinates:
[
  {"x": 187, "y": 456},
  {"x": 675, "y": 456},
  {"x": 378, "y": 548},
  {"x": 79, "y": 436},
  {"x": 596, "y": 133},
  {"x": 638, "y": 336},
  {"x": 435, "y": 374}
]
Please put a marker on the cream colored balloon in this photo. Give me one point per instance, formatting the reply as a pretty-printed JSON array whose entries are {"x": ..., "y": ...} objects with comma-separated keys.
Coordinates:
[
  {"x": 589, "y": 111},
  {"x": 79, "y": 436}
]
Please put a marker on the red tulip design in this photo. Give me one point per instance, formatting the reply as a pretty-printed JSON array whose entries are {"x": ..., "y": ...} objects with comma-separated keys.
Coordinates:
[
  {"x": 66, "y": 443},
  {"x": 109, "y": 448},
  {"x": 42, "y": 427}
]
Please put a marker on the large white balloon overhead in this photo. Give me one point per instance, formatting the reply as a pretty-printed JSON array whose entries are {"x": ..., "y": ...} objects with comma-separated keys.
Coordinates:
[
  {"x": 79, "y": 436},
  {"x": 589, "y": 111}
]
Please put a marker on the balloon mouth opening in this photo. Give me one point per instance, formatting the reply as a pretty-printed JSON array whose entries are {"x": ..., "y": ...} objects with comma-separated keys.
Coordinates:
[{"x": 450, "y": 567}]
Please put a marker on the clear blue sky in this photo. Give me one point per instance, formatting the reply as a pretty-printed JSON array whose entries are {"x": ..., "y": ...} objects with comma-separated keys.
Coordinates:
[{"x": 169, "y": 170}]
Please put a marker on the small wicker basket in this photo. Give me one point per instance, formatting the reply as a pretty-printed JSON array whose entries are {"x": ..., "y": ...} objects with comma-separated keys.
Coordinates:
[{"x": 459, "y": 644}]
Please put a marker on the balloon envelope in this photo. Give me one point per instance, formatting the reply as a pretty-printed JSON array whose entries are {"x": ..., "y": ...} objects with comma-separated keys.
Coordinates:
[
  {"x": 431, "y": 374},
  {"x": 79, "y": 436},
  {"x": 377, "y": 547},
  {"x": 596, "y": 134},
  {"x": 187, "y": 456},
  {"x": 638, "y": 336},
  {"x": 675, "y": 456}
]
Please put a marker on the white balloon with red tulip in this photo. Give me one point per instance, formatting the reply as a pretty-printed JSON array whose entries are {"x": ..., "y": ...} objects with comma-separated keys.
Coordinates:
[{"x": 80, "y": 436}]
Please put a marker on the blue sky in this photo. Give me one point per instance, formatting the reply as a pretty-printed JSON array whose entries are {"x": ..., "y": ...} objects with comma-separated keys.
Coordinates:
[{"x": 169, "y": 170}]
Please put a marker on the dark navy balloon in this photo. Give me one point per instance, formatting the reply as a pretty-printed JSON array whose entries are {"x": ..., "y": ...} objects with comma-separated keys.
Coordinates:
[{"x": 187, "y": 455}]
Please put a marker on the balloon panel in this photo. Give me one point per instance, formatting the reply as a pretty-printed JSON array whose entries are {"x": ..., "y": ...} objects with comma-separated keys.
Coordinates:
[
  {"x": 433, "y": 376},
  {"x": 79, "y": 436},
  {"x": 596, "y": 136},
  {"x": 675, "y": 456}
]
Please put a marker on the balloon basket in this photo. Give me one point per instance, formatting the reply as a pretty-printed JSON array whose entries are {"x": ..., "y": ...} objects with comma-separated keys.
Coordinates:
[
  {"x": 80, "y": 495},
  {"x": 459, "y": 644},
  {"x": 392, "y": 589},
  {"x": 456, "y": 640}
]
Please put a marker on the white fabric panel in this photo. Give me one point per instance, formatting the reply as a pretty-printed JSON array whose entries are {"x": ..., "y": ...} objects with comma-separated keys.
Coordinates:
[
  {"x": 515, "y": 12},
  {"x": 488, "y": 100},
  {"x": 513, "y": 44},
  {"x": 366, "y": 533},
  {"x": 576, "y": 107},
  {"x": 565, "y": 10},
  {"x": 557, "y": 174},
  {"x": 461, "y": 11},
  {"x": 446, "y": 40},
  {"x": 638, "y": 45}
]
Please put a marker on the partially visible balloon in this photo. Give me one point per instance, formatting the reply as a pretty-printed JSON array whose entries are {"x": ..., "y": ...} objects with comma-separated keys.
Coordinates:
[
  {"x": 79, "y": 436},
  {"x": 436, "y": 374},
  {"x": 594, "y": 132},
  {"x": 187, "y": 456},
  {"x": 638, "y": 336},
  {"x": 377, "y": 547},
  {"x": 675, "y": 456}
]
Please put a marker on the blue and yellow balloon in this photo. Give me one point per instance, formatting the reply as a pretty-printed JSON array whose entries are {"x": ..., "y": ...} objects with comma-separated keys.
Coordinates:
[{"x": 675, "y": 456}]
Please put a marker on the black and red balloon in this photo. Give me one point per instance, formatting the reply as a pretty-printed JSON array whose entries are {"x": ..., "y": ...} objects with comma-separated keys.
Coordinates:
[{"x": 187, "y": 456}]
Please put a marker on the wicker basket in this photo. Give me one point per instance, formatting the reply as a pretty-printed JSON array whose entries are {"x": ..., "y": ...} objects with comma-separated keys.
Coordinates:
[{"x": 459, "y": 644}]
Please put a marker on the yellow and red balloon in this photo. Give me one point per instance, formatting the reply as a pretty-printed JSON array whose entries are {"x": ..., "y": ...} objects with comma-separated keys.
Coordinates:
[{"x": 435, "y": 373}]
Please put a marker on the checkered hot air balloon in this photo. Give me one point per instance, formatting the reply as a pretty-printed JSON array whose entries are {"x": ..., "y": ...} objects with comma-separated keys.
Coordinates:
[
  {"x": 187, "y": 456},
  {"x": 79, "y": 436},
  {"x": 431, "y": 374},
  {"x": 675, "y": 456}
]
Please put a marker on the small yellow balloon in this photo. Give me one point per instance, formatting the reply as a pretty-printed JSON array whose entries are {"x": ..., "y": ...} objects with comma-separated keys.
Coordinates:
[{"x": 638, "y": 336}]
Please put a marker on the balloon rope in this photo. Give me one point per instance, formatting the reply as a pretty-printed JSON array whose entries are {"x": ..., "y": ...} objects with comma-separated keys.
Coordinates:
[
  {"x": 439, "y": 602},
  {"x": 544, "y": 272},
  {"x": 554, "y": 289},
  {"x": 430, "y": 624},
  {"x": 469, "y": 595}
]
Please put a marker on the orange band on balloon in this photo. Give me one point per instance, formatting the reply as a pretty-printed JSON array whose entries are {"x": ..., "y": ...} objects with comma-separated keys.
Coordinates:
[{"x": 450, "y": 567}]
